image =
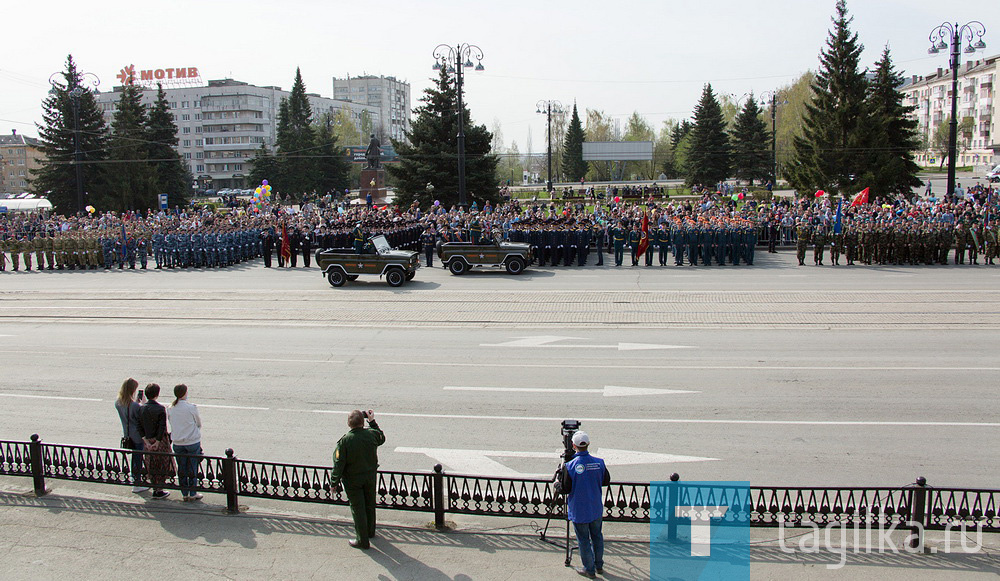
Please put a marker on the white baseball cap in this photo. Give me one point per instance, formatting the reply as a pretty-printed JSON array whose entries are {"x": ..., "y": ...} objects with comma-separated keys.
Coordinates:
[{"x": 581, "y": 439}]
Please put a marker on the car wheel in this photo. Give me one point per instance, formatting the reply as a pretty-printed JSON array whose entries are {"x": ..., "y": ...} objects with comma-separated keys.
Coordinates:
[
  {"x": 336, "y": 277},
  {"x": 515, "y": 266},
  {"x": 352, "y": 277},
  {"x": 457, "y": 267},
  {"x": 395, "y": 277}
]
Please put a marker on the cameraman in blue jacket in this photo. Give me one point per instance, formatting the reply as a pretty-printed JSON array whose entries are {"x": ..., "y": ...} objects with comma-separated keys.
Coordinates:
[{"x": 582, "y": 479}]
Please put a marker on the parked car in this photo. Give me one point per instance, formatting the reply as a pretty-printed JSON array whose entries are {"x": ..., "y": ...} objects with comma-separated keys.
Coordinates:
[{"x": 994, "y": 174}]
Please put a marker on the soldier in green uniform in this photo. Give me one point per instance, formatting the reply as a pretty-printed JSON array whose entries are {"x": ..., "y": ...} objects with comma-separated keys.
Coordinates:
[
  {"x": 851, "y": 244},
  {"x": 634, "y": 238},
  {"x": 50, "y": 254},
  {"x": 819, "y": 245},
  {"x": 990, "y": 241},
  {"x": 38, "y": 245},
  {"x": 802, "y": 236},
  {"x": 960, "y": 243},
  {"x": 26, "y": 248},
  {"x": 836, "y": 247},
  {"x": 14, "y": 247},
  {"x": 355, "y": 462}
]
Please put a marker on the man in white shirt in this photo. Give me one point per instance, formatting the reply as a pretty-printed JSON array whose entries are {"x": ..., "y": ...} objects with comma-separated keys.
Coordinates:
[{"x": 185, "y": 428}]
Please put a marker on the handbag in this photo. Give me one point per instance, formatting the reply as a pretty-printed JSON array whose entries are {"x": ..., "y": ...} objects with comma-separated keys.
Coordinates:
[{"x": 127, "y": 443}]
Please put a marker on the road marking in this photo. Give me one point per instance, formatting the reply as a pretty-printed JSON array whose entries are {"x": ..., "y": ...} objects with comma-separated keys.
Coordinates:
[
  {"x": 481, "y": 461},
  {"x": 32, "y": 352},
  {"x": 8, "y": 335},
  {"x": 607, "y": 391},
  {"x": 695, "y": 367},
  {"x": 149, "y": 356},
  {"x": 284, "y": 360},
  {"x": 231, "y": 407},
  {"x": 49, "y": 397},
  {"x": 545, "y": 341},
  {"x": 633, "y": 420}
]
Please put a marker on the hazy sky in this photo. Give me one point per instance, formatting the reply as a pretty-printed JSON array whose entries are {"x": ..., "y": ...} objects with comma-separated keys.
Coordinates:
[{"x": 622, "y": 56}]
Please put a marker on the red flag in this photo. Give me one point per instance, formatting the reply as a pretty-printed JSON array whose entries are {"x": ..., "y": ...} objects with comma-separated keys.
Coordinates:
[
  {"x": 820, "y": 193},
  {"x": 861, "y": 198},
  {"x": 286, "y": 247},
  {"x": 644, "y": 242}
]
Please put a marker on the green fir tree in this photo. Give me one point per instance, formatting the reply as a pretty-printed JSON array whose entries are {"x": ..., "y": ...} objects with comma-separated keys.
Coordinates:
[
  {"x": 57, "y": 176},
  {"x": 709, "y": 157},
  {"x": 130, "y": 176},
  {"x": 835, "y": 145},
  {"x": 751, "y": 144},
  {"x": 173, "y": 177},
  {"x": 296, "y": 143},
  {"x": 429, "y": 155},
  {"x": 898, "y": 136},
  {"x": 573, "y": 166}
]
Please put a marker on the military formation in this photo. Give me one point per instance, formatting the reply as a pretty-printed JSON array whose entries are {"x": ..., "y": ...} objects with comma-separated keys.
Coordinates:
[{"x": 898, "y": 244}]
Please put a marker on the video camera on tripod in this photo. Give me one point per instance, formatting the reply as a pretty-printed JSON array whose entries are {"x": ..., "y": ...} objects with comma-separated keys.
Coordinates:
[{"x": 569, "y": 427}]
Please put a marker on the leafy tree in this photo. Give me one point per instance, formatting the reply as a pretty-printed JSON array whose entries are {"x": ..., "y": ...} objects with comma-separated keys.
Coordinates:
[
  {"x": 709, "y": 157},
  {"x": 663, "y": 153},
  {"x": 751, "y": 144},
  {"x": 835, "y": 143},
  {"x": 638, "y": 129},
  {"x": 429, "y": 154},
  {"x": 130, "y": 176},
  {"x": 343, "y": 127},
  {"x": 791, "y": 102},
  {"x": 574, "y": 168},
  {"x": 332, "y": 164},
  {"x": 56, "y": 178},
  {"x": 894, "y": 171},
  {"x": 264, "y": 166},
  {"x": 599, "y": 128},
  {"x": 963, "y": 137},
  {"x": 172, "y": 175}
]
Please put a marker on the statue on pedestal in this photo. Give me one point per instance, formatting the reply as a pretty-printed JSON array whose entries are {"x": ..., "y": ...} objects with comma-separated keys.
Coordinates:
[{"x": 374, "y": 153}]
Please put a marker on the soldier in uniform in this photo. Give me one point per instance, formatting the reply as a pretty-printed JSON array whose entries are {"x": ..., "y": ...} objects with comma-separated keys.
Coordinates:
[
  {"x": 618, "y": 236},
  {"x": 355, "y": 463},
  {"x": 38, "y": 244},
  {"x": 358, "y": 238},
  {"x": 836, "y": 245},
  {"x": 599, "y": 241},
  {"x": 961, "y": 241},
  {"x": 662, "y": 243},
  {"x": 990, "y": 241},
  {"x": 428, "y": 240},
  {"x": 677, "y": 238},
  {"x": 802, "y": 236},
  {"x": 50, "y": 254},
  {"x": 14, "y": 248},
  {"x": 634, "y": 238},
  {"x": 26, "y": 248}
]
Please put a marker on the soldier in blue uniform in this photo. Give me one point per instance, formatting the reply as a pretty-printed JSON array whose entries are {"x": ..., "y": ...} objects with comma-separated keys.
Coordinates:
[
  {"x": 618, "y": 236},
  {"x": 428, "y": 240},
  {"x": 662, "y": 241},
  {"x": 158, "y": 254},
  {"x": 634, "y": 238}
]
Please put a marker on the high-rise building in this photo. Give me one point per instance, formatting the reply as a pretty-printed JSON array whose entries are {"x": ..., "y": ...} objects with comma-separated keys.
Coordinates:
[
  {"x": 220, "y": 126},
  {"x": 18, "y": 156},
  {"x": 931, "y": 95},
  {"x": 389, "y": 95}
]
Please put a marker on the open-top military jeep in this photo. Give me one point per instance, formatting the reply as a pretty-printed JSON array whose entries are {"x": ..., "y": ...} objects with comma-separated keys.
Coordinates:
[
  {"x": 459, "y": 257},
  {"x": 340, "y": 265}
]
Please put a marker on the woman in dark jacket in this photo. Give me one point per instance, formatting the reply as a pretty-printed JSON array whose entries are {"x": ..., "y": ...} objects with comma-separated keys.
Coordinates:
[
  {"x": 128, "y": 412},
  {"x": 153, "y": 429}
]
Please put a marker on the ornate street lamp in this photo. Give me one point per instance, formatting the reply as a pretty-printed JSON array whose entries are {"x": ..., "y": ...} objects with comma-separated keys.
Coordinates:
[
  {"x": 940, "y": 38},
  {"x": 456, "y": 59},
  {"x": 547, "y": 108},
  {"x": 75, "y": 92}
]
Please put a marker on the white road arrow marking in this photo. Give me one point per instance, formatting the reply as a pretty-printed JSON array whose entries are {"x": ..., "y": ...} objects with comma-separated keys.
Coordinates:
[
  {"x": 607, "y": 391},
  {"x": 481, "y": 461},
  {"x": 546, "y": 341}
]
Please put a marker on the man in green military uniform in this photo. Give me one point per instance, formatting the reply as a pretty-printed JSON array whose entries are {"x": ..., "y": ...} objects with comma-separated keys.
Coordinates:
[
  {"x": 802, "y": 236},
  {"x": 634, "y": 238},
  {"x": 355, "y": 462},
  {"x": 618, "y": 235}
]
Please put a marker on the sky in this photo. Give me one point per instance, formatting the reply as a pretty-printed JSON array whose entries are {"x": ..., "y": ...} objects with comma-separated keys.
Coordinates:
[{"x": 649, "y": 56}]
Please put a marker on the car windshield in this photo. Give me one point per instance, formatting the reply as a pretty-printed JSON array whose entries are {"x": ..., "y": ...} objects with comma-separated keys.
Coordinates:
[{"x": 381, "y": 244}]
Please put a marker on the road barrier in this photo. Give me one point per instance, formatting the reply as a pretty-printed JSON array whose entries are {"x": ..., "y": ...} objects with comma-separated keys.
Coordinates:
[{"x": 917, "y": 507}]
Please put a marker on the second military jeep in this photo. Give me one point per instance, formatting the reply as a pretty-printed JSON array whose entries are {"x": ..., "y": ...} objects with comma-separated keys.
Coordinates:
[
  {"x": 459, "y": 257},
  {"x": 340, "y": 265}
]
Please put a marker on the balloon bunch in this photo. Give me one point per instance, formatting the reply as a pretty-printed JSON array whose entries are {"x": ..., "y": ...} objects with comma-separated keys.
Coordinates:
[
  {"x": 737, "y": 197},
  {"x": 90, "y": 209},
  {"x": 261, "y": 194}
]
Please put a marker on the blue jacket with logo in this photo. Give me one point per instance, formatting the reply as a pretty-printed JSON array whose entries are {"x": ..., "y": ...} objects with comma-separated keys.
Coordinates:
[{"x": 582, "y": 479}]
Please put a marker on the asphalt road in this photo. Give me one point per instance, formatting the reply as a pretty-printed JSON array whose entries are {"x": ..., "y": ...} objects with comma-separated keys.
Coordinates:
[{"x": 774, "y": 374}]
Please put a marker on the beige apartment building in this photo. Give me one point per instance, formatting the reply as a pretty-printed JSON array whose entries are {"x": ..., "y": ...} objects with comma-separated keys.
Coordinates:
[
  {"x": 931, "y": 95},
  {"x": 18, "y": 156}
]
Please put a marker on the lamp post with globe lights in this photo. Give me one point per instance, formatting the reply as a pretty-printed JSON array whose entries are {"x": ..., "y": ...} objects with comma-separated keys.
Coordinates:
[{"x": 454, "y": 59}]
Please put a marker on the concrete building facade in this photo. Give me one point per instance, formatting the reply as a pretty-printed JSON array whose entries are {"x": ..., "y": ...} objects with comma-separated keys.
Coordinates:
[
  {"x": 931, "y": 95},
  {"x": 220, "y": 126},
  {"x": 390, "y": 95},
  {"x": 18, "y": 156}
]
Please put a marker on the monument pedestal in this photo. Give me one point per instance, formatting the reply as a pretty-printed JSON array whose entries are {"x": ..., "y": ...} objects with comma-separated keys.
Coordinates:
[{"x": 377, "y": 191}]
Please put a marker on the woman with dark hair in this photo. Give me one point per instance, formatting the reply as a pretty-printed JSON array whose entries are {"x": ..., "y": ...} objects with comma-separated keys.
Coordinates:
[
  {"x": 153, "y": 429},
  {"x": 128, "y": 407},
  {"x": 186, "y": 425}
]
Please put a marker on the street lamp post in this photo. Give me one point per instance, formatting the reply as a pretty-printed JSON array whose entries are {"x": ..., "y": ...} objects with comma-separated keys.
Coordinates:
[
  {"x": 940, "y": 37},
  {"x": 772, "y": 96},
  {"x": 74, "y": 94},
  {"x": 548, "y": 107},
  {"x": 461, "y": 55}
]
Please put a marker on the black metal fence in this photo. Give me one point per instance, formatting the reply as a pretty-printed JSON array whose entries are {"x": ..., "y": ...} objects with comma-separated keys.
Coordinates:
[{"x": 917, "y": 507}]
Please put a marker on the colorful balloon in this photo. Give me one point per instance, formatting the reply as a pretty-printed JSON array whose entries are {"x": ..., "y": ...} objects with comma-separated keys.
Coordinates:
[{"x": 263, "y": 182}]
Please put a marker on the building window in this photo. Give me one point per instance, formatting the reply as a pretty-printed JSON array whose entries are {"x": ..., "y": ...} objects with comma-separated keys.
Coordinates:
[
  {"x": 199, "y": 154},
  {"x": 173, "y": 104},
  {"x": 187, "y": 143},
  {"x": 200, "y": 169},
  {"x": 186, "y": 130},
  {"x": 197, "y": 116},
  {"x": 197, "y": 129},
  {"x": 197, "y": 104},
  {"x": 184, "y": 104},
  {"x": 198, "y": 143},
  {"x": 185, "y": 117},
  {"x": 238, "y": 167},
  {"x": 187, "y": 156}
]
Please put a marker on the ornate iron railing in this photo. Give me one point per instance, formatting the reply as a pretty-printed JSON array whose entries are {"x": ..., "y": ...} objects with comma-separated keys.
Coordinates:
[{"x": 916, "y": 506}]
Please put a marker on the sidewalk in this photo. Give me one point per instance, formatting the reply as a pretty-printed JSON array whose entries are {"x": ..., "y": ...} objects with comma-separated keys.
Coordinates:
[{"x": 81, "y": 533}]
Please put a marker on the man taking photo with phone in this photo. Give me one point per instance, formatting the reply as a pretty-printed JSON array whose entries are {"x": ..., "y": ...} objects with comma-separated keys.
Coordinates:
[{"x": 355, "y": 463}]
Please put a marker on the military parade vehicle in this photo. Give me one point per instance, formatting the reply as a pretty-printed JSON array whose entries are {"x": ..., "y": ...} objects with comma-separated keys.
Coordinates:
[
  {"x": 459, "y": 257},
  {"x": 340, "y": 265}
]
